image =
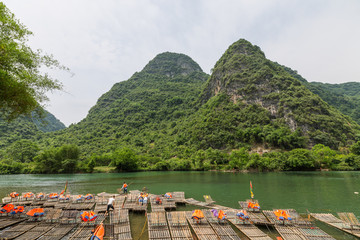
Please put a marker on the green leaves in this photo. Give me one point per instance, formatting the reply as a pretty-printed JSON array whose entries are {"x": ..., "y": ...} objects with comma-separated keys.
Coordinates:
[{"x": 23, "y": 86}]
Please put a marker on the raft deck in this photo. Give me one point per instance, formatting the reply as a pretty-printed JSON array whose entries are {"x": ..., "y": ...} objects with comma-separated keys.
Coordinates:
[
  {"x": 178, "y": 226},
  {"x": 203, "y": 230},
  {"x": 246, "y": 227},
  {"x": 331, "y": 220},
  {"x": 120, "y": 220},
  {"x": 157, "y": 226},
  {"x": 222, "y": 228}
]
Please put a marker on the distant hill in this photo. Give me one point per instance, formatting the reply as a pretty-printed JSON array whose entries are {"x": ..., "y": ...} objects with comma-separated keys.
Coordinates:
[
  {"x": 172, "y": 106},
  {"x": 140, "y": 111},
  {"x": 247, "y": 78},
  {"x": 344, "y": 96},
  {"x": 173, "y": 116},
  {"x": 27, "y": 127}
]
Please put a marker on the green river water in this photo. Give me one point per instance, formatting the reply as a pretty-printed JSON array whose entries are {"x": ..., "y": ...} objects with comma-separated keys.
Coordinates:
[{"x": 313, "y": 191}]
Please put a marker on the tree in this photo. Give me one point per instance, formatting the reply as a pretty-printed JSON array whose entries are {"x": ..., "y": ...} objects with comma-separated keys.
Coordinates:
[
  {"x": 23, "y": 150},
  {"x": 22, "y": 84},
  {"x": 125, "y": 160},
  {"x": 355, "y": 148}
]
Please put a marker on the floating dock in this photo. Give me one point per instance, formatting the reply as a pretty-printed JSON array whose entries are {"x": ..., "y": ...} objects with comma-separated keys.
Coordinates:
[
  {"x": 155, "y": 207},
  {"x": 203, "y": 230},
  {"x": 157, "y": 226},
  {"x": 331, "y": 220},
  {"x": 248, "y": 229},
  {"x": 179, "y": 228},
  {"x": 222, "y": 228},
  {"x": 62, "y": 220},
  {"x": 121, "y": 224},
  {"x": 256, "y": 215}
]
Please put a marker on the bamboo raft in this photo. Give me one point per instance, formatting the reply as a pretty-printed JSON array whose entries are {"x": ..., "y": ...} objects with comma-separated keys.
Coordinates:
[
  {"x": 179, "y": 197},
  {"x": 4, "y": 222},
  {"x": 157, "y": 226},
  {"x": 272, "y": 217},
  {"x": 314, "y": 233},
  {"x": 154, "y": 206},
  {"x": 179, "y": 228},
  {"x": 331, "y": 220},
  {"x": 203, "y": 230},
  {"x": 246, "y": 227},
  {"x": 58, "y": 232},
  {"x": 62, "y": 220},
  {"x": 222, "y": 228},
  {"x": 17, "y": 230},
  {"x": 121, "y": 224},
  {"x": 255, "y": 215},
  {"x": 82, "y": 232},
  {"x": 36, "y": 232},
  {"x": 192, "y": 201},
  {"x": 169, "y": 204},
  {"x": 131, "y": 200}
]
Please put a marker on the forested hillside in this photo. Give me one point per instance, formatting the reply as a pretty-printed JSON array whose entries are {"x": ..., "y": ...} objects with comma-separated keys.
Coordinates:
[
  {"x": 26, "y": 127},
  {"x": 251, "y": 113},
  {"x": 345, "y": 97}
]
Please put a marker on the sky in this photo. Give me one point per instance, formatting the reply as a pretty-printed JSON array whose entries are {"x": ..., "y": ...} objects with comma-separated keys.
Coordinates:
[{"x": 106, "y": 41}]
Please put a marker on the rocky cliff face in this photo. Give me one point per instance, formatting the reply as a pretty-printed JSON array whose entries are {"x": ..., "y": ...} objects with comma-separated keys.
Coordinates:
[{"x": 245, "y": 75}]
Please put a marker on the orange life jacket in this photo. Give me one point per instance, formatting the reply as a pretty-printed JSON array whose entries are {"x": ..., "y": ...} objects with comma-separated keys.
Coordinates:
[
  {"x": 28, "y": 195},
  {"x": 253, "y": 205},
  {"x": 88, "y": 216},
  {"x": 14, "y": 194},
  {"x": 197, "y": 214},
  {"x": 282, "y": 215},
  {"x": 18, "y": 209},
  {"x": 98, "y": 233},
  {"x": 125, "y": 185},
  {"x": 40, "y": 195},
  {"x": 7, "y": 208},
  {"x": 35, "y": 212},
  {"x": 53, "y": 195},
  {"x": 222, "y": 215}
]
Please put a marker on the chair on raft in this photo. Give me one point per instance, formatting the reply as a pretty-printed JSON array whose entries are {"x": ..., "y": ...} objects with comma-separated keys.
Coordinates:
[{"x": 208, "y": 199}]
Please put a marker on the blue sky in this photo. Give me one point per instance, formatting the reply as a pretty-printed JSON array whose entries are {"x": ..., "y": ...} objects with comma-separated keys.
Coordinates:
[{"x": 104, "y": 42}]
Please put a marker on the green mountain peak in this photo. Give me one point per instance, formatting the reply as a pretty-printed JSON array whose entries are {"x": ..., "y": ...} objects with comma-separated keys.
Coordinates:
[
  {"x": 172, "y": 64},
  {"x": 245, "y": 76}
]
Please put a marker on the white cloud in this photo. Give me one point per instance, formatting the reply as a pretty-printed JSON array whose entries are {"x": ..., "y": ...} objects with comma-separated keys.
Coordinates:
[{"x": 104, "y": 42}]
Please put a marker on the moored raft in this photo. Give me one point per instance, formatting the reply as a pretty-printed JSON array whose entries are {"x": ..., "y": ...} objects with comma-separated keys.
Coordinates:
[
  {"x": 36, "y": 232},
  {"x": 202, "y": 229},
  {"x": 58, "y": 232},
  {"x": 119, "y": 219},
  {"x": 179, "y": 228},
  {"x": 256, "y": 215},
  {"x": 156, "y": 203},
  {"x": 157, "y": 226},
  {"x": 246, "y": 227},
  {"x": 17, "y": 230},
  {"x": 333, "y": 221},
  {"x": 221, "y": 227}
]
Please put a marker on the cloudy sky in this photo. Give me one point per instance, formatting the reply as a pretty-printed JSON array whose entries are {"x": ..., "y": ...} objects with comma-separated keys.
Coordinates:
[{"x": 106, "y": 41}]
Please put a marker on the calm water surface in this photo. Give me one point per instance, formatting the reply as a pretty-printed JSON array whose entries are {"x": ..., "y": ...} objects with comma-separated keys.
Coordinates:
[{"x": 313, "y": 191}]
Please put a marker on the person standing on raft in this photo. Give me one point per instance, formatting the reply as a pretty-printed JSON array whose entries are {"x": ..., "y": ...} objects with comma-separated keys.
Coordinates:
[
  {"x": 124, "y": 187},
  {"x": 110, "y": 204}
]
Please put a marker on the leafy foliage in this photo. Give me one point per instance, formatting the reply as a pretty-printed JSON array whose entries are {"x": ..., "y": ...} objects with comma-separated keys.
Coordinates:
[
  {"x": 22, "y": 84},
  {"x": 168, "y": 117}
]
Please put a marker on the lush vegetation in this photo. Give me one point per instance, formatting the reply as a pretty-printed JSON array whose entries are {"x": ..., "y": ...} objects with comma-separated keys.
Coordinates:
[
  {"x": 250, "y": 114},
  {"x": 65, "y": 159},
  {"x": 26, "y": 127},
  {"x": 23, "y": 85},
  {"x": 345, "y": 97}
]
